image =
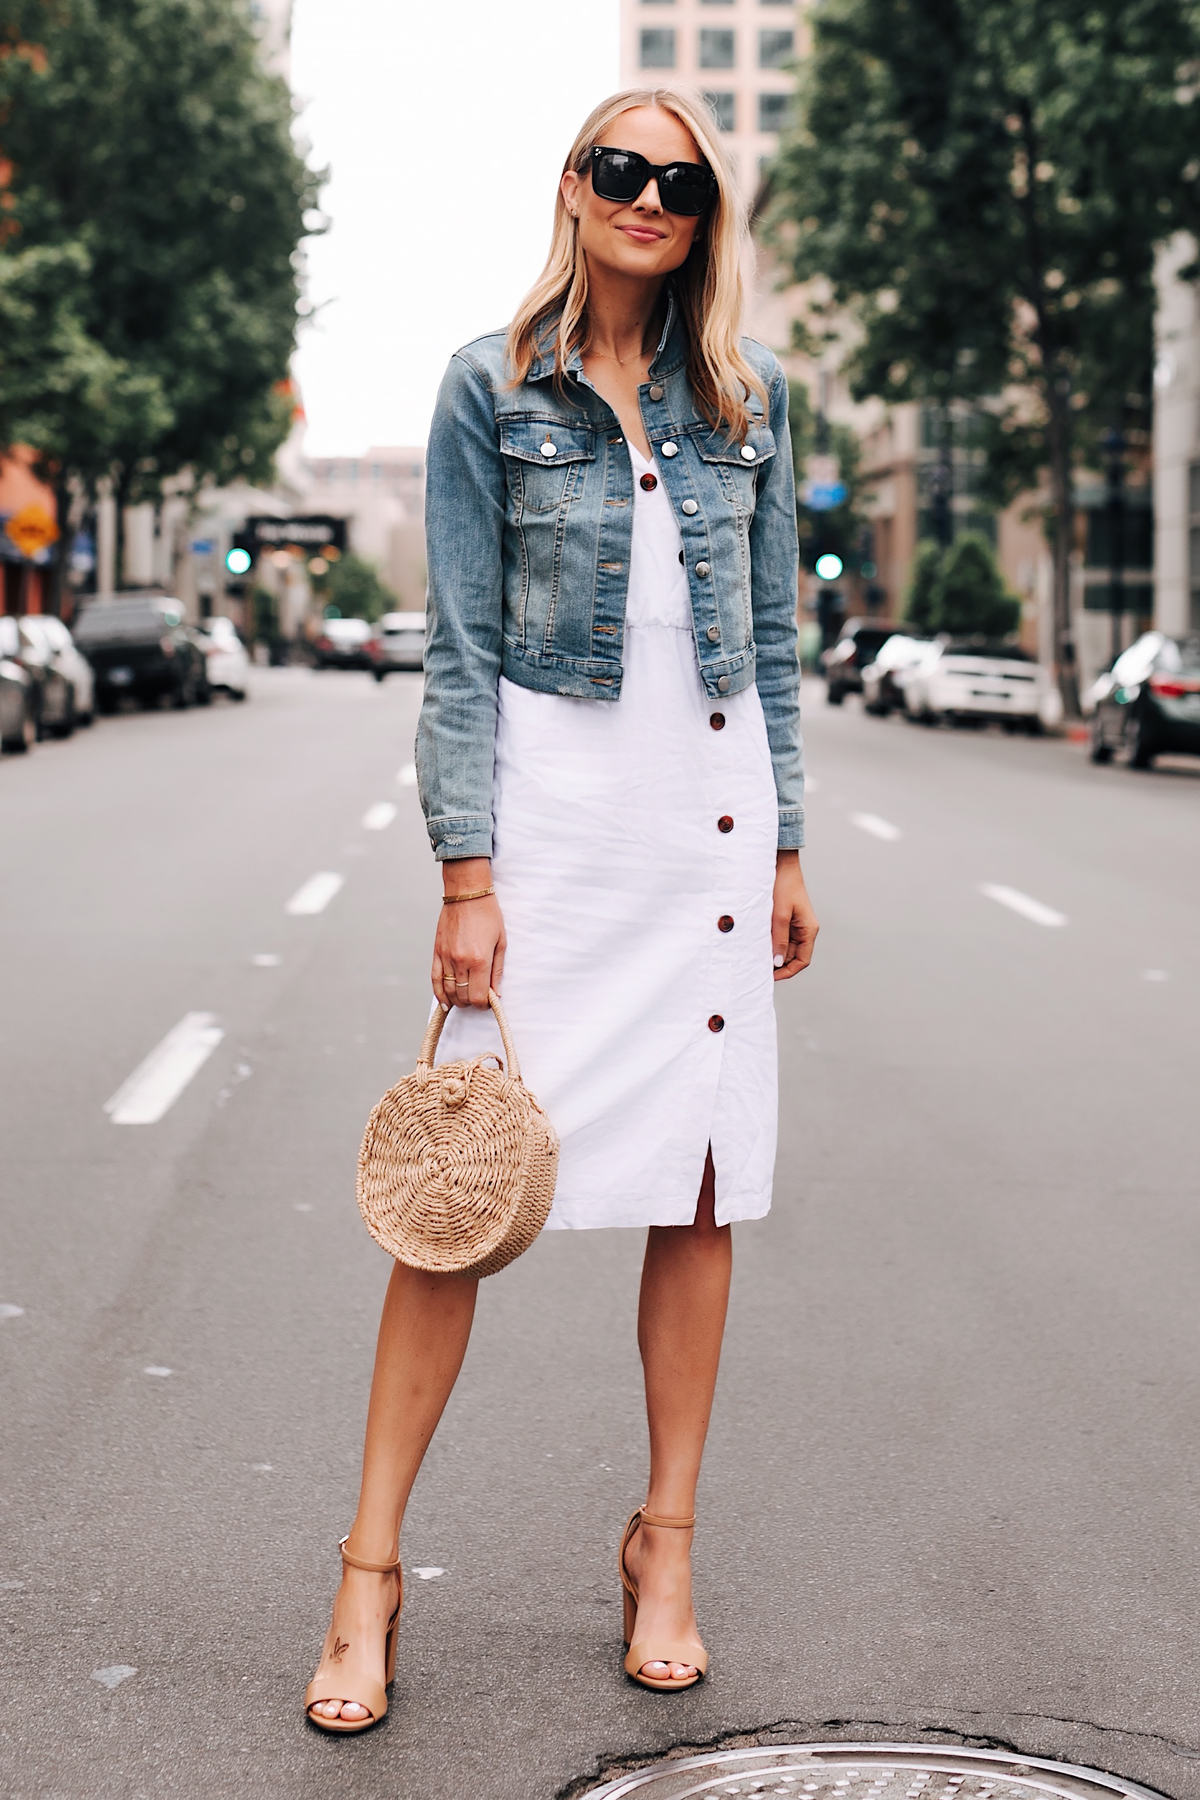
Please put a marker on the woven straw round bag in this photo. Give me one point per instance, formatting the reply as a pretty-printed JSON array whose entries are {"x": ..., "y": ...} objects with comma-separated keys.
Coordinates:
[{"x": 457, "y": 1166}]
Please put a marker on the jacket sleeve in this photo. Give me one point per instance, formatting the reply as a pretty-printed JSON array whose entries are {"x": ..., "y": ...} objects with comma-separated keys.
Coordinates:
[
  {"x": 774, "y": 574},
  {"x": 464, "y": 529}
]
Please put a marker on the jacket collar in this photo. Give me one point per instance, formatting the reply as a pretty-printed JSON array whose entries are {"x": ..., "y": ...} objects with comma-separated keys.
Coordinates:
[{"x": 669, "y": 357}]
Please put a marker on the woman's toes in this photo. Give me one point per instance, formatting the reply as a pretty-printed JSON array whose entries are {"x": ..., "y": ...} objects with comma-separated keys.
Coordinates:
[
  {"x": 328, "y": 1709},
  {"x": 658, "y": 1671},
  {"x": 352, "y": 1710},
  {"x": 681, "y": 1671}
]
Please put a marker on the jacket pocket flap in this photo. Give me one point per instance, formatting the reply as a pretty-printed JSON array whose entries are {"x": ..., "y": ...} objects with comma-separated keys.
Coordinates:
[
  {"x": 717, "y": 447},
  {"x": 546, "y": 441}
]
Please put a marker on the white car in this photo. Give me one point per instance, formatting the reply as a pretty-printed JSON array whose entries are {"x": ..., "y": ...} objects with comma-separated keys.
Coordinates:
[
  {"x": 58, "y": 651},
  {"x": 967, "y": 680},
  {"x": 398, "y": 643},
  {"x": 225, "y": 660},
  {"x": 884, "y": 679}
]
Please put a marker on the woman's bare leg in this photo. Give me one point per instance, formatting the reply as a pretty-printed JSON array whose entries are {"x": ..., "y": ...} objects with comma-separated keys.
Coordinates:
[
  {"x": 422, "y": 1341},
  {"x": 681, "y": 1321}
]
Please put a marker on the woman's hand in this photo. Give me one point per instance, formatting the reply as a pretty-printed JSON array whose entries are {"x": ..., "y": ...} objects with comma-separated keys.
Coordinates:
[
  {"x": 793, "y": 923},
  {"x": 468, "y": 950}
]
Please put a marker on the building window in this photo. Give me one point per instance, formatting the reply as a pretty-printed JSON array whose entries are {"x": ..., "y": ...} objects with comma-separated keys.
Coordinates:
[
  {"x": 658, "y": 2},
  {"x": 775, "y": 2},
  {"x": 775, "y": 48},
  {"x": 658, "y": 49},
  {"x": 716, "y": 49},
  {"x": 721, "y": 2},
  {"x": 1194, "y": 546},
  {"x": 721, "y": 107},
  {"x": 774, "y": 112}
]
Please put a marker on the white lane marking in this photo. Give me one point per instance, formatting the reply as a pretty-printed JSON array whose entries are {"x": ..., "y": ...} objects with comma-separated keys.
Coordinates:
[
  {"x": 1018, "y": 902},
  {"x": 114, "y": 1675},
  {"x": 316, "y": 893},
  {"x": 429, "y": 1574},
  {"x": 877, "y": 827},
  {"x": 379, "y": 816},
  {"x": 157, "y": 1083},
  {"x": 407, "y": 775},
  {"x": 266, "y": 959},
  {"x": 1155, "y": 975},
  {"x": 303, "y": 1206},
  {"x": 262, "y": 1468},
  {"x": 157, "y": 1369},
  {"x": 11, "y": 1312}
]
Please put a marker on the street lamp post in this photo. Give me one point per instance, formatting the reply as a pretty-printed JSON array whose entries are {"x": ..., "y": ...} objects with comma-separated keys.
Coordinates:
[{"x": 1114, "y": 472}]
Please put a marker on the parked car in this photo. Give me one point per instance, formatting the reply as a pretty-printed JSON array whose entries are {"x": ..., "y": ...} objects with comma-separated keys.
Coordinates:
[
  {"x": 860, "y": 642},
  {"x": 342, "y": 644},
  {"x": 58, "y": 648},
  {"x": 226, "y": 663},
  {"x": 18, "y": 701},
  {"x": 971, "y": 681},
  {"x": 51, "y": 696},
  {"x": 138, "y": 644},
  {"x": 398, "y": 642},
  {"x": 883, "y": 680},
  {"x": 1148, "y": 702}
]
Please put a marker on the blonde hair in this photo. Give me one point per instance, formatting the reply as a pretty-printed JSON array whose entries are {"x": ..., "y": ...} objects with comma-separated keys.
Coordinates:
[{"x": 708, "y": 287}]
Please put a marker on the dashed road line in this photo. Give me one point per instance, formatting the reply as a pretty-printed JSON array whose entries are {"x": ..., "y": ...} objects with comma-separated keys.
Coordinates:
[
  {"x": 158, "y": 1081},
  {"x": 379, "y": 816},
  {"x": 877, "y": 827},
  {"x": 315, "y": 894},
  {"x": 1034, "y": 910}
]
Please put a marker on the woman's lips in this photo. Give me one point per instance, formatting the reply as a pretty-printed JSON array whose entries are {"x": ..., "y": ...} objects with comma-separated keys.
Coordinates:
[{"x": 641, "y": 234}]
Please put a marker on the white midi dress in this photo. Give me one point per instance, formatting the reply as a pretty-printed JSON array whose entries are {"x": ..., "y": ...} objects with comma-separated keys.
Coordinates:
[{"x": 634, "y": 860}]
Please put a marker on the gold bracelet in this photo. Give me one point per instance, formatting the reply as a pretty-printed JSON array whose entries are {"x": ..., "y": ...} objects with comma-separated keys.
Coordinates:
[{"x": 457, "y": 899}]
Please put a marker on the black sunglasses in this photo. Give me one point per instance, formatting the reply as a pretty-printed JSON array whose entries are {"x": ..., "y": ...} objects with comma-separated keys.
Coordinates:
[{"x": 688, "y": 189}]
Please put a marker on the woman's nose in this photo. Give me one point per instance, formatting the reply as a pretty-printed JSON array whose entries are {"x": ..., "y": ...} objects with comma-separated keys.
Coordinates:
[{"x": 648, "y": 200}]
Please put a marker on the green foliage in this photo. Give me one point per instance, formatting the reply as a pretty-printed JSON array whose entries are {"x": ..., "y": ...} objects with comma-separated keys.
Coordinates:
[
  {"x": 983, "y": 183},
  {"x": 354, "y": 587},
  {"x": 920, "y": 596},
  {"x": 959, "y": 591},
  {"x": 150, "y": 148}
]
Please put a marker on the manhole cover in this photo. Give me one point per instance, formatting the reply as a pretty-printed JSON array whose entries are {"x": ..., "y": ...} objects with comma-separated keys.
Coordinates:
[{"x": 870, "y": 1772}]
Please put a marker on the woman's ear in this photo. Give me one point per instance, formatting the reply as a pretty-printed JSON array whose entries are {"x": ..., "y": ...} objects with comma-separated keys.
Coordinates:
[{"x": 569, "y": 188}]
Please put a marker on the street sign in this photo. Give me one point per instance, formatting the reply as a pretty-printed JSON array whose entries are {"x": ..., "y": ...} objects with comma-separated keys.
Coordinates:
[
  {"x": 823, "y": 496},
  {"x": 32, "y": 530},
  {"x": 310, "y": 533}
]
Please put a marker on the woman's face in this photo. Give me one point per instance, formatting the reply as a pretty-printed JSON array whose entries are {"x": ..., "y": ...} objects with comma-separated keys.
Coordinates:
[{"x": 636, "y": 237}]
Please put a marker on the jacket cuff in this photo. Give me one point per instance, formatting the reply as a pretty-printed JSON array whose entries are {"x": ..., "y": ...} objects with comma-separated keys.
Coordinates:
[
  {"x": 791, "y": 828},
  {"x": 455, "y": 839}
]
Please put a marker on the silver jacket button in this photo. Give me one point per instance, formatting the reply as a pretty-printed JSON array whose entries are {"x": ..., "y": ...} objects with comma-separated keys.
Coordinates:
[
  {"x": 690, "y": 507},
  {"x": 749, "y": 453},
  {"x": 670, "y": 448},
  {"x": 656, "y": 392},
  {"x": 549, "y": 449},
  {"x": 702, "y": 570},
  {"x": 713, "y": 634},
  {"x": 723, "y": 685}
]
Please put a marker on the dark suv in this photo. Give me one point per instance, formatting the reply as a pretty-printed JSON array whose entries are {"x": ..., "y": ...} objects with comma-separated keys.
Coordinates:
[
  {"x": 859, "y": 644},
  {"x": 138, "y": 644},
  {"x": 1149, "y": 701}
]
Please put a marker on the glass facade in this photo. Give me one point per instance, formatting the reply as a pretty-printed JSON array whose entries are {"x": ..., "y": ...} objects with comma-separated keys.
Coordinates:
[
  {"x": 658, "y": 49},
  {"x": 716, "y": 49},
  {"x": 775, "y": 49}
]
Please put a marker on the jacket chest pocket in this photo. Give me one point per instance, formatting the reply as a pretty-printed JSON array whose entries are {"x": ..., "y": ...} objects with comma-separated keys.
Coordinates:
[
  {"x": 736, "y": 466},
  {"x": 546, "y": 462}
]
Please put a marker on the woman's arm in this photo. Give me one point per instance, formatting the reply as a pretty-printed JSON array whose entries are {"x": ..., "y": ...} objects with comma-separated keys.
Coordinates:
[
  {"x": 468, "y": 950},
  {"x": 774, "y": 592},
  {"x": 794, "y": 925}
]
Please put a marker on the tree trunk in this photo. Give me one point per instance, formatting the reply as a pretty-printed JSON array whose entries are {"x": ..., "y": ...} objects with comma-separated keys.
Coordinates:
[
  {"x": 1058, "y": 399},
  {"x": 60, "y": 556}
]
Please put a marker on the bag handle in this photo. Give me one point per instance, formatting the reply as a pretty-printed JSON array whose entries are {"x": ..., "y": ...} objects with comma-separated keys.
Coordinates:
[{"x": 434, "y": 1031}]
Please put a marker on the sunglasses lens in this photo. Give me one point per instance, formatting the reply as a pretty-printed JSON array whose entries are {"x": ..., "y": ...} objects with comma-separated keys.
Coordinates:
[
  {"x": 686, "y": 189},
  {"x": 619, "y": 175}
]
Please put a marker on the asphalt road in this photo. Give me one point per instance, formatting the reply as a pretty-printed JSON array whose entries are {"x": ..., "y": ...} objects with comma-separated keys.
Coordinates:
[{"x": 952, "y": 1481}]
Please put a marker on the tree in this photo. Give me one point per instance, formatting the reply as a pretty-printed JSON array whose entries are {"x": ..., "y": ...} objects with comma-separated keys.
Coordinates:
[
  {"x": 147, "y": 136},
  {"x": 983, "y": 183},
  {"x": 920, "y": 597},
  {"x": 352, "y": 584},
  {"x": 970, "y": 597}
]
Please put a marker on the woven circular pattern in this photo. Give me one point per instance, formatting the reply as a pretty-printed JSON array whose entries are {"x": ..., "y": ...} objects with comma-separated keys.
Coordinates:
[{"x": 457, "y": 1166}]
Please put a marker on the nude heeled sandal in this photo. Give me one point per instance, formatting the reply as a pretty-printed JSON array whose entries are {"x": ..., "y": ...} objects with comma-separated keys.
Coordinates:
[
  {"x": 369, "y": 1693},
  {"x": 640, "y": 1653}
]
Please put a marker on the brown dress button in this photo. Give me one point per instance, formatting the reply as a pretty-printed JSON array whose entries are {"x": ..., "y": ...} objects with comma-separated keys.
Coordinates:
[
  {"x": 725, "y": 922},
  {"x": 717, "y": 721},
  {"x": 716, "y": 1023},
  {"x": 649, "y": 482},
  {"x": 725, "y": 823}
]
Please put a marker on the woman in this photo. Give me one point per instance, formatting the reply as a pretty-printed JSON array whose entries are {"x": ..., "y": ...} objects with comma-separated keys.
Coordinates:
[{"x": 610, "y": 767}]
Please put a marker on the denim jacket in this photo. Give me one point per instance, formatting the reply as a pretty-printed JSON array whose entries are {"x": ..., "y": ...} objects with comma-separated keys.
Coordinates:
[{"x": 529, "y": 521}]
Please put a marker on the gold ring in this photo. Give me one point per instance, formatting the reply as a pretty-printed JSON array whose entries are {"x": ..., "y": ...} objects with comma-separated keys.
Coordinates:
[{"x": 466, "y": 983}]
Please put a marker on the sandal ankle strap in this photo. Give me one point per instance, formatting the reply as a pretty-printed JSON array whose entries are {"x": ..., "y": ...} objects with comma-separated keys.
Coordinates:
[
  {"x": 649, "y": 1518},
  {"x": 371, "y": 1568}
]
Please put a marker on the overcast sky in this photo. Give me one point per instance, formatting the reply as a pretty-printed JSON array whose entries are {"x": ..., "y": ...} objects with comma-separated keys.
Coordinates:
[{"x": 444, "y": 124}]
